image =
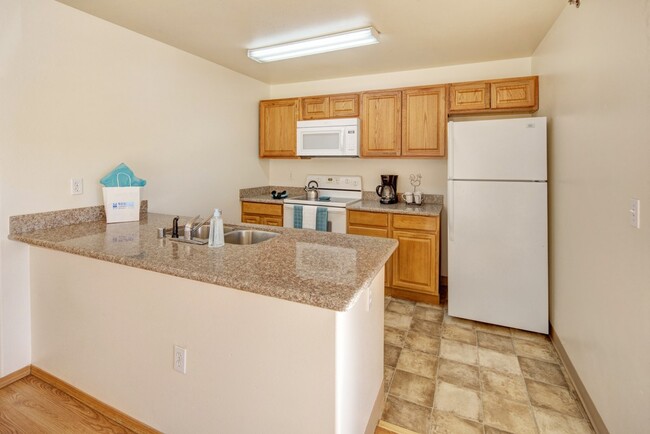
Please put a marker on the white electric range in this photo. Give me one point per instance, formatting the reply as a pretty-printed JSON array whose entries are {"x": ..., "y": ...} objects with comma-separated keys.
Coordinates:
[{"x": 335, "y": 193}]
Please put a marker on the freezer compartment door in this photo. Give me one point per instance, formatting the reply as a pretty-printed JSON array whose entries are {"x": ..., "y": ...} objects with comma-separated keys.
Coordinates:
[
  {"x": 507, "y": 149},
  {"x": 498, "y": 253}
]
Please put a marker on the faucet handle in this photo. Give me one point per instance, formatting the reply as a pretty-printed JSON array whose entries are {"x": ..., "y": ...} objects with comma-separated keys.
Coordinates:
[
  {"x": 189, "y": 227},
  {"x": 175, "y": 228}
]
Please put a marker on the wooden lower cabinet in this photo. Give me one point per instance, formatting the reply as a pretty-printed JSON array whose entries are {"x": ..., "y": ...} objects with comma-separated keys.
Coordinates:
[
  {"x": 413, "y": 270},
  {"x": 262, "y": 213}
]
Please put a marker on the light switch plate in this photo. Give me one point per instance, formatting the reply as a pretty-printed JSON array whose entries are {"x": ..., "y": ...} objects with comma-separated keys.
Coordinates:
[{"x": 635, "y": 213}]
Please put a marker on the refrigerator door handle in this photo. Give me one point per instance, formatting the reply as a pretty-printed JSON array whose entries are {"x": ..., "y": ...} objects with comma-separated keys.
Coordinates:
[
  {"x": 450, "y": 210},
  {"x": 450, "y": 150}
]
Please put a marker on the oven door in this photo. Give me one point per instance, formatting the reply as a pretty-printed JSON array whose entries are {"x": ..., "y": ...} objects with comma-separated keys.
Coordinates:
[{"x": 336, "y": 218}]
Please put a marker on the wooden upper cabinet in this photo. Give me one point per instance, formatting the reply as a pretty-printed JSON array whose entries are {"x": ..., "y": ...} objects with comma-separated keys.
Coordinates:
[
  {"x": 424, "y": 121},
  {"x": 314, "y": 108},
  {"x": 514, "y": 93},
  {"x": 510, "y": 95},
  {"x": 278, "y": 127},
  {"x": 381, "y": 124},
  {"x": 344, "y": 106},
  {"x": 332, "y": 106},
  {"x": 469, "y": 96}
]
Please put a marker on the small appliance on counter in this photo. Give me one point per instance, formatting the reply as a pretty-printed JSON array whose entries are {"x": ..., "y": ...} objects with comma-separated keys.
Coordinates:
[
  {"x": 387, "y": 191},
  {"x": 311, "y": 191}
]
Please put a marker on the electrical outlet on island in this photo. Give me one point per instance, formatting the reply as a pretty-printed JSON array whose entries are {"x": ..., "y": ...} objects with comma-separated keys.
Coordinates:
[{"x": 180, "y": 359}]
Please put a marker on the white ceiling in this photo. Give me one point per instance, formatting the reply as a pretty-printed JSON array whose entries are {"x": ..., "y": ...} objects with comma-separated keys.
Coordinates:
[{"x": 413, "y": 33}]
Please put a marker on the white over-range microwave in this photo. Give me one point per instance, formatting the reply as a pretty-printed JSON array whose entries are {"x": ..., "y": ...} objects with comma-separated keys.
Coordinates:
[{"x": 328, "y": 138}]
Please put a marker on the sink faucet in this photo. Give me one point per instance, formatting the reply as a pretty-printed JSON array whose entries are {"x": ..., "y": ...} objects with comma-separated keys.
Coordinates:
[{"x": 191, "y": 228}]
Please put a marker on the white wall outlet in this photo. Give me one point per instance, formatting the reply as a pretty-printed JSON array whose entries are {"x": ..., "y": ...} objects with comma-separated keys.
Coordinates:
[
  {"x": 635, "y": 213},
  {"x": 180, "y": 359},
  {"x": 76, "y": 186}
]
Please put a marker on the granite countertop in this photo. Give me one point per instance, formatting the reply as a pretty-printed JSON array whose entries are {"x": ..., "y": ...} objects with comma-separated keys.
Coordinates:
[
  {"x": 432, "y": 205},
  {"x": 426, "y": 209},
  {"x": 321, "y": 269},
  {"x": 263, "y": 194},
  {"x": 263, "y": 198}
]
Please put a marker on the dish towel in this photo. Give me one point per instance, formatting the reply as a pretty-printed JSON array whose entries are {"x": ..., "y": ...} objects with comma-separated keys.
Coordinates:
[
  {"x": 321, "y": 219},
  {"x": 297, "y": 216},
  {"x": 309, "y": 217}
]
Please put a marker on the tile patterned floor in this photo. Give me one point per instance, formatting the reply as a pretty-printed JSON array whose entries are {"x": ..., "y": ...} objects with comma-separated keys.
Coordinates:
[{"x": 449, "y": 375}]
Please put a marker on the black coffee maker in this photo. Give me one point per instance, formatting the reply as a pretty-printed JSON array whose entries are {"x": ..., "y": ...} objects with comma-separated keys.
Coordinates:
[{"x": 387, "y": 191}]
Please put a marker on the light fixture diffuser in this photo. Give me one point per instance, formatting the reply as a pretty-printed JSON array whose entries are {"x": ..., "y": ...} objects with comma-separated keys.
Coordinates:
[{"x": 321, "y": 44}]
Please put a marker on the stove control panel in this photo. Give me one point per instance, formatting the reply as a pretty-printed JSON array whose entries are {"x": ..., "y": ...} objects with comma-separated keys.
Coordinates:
[{"x": 336, "y": 182}]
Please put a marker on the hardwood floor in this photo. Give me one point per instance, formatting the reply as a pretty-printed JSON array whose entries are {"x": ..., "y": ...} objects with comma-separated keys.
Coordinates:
[{"x": 33, "y": 406}]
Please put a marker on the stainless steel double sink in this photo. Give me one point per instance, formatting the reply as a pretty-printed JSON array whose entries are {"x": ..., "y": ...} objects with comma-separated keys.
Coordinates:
[{"x": 231, "y": 236}]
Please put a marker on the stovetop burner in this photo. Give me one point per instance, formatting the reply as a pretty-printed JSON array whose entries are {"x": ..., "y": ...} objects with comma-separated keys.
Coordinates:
[{"x": 333, "y": 191}]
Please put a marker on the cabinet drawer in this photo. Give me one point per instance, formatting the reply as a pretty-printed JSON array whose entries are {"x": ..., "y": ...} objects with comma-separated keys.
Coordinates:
[
  {"x": 370, "y": 232},
  {"x": 420, "y": 223},
  {"x": 368, "y": 218},
  {"x": 261, "y": 208},
  {"x": 272, "y": 221}
]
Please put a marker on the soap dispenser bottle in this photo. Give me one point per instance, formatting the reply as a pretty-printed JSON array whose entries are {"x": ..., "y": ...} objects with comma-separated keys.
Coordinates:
[{"x": 216, "y": 229}]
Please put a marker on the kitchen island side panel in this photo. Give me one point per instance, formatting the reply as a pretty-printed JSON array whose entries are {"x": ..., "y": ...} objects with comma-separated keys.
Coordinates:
[
  {"x": 254, "y": 363},
  {"x": 360, "y": 361}
]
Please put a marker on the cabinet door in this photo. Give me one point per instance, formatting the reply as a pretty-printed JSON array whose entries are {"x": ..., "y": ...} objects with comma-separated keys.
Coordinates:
[
  {"x": 314, "y": 108},
  {"x": 344, "y": 106},
  {"x": 514, "y": 93},
  {"x": 379, "y": 233},
  {"x": 278, "y": 127},
  {"x": 381, "y": 124},
  {"x": 272, "y": 221},
  {"x": 469, "y": 96},
  {"x": 424, "y": 122},
  {"x": 372, "y": 224},
  {"x": 415, "y": 263},
  {"x": 249, "y": 218}
]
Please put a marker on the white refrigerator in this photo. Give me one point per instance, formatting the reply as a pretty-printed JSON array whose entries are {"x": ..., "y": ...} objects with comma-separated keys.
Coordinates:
[{"x": 497, "y": 222}]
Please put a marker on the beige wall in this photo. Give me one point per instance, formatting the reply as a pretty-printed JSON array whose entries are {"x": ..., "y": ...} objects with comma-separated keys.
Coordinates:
[
  {"x": 78, "y": 96},
  {"x": 434, "y": 171},
  {"x": 594, "y": 68}
]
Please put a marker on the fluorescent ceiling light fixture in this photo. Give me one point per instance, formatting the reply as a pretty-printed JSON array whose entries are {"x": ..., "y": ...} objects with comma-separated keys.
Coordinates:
[{"x": 322, "y": 44}]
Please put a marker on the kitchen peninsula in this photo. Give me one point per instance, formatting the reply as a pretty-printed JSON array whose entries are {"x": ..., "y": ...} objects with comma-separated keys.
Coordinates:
[{"x": 281, "y": 336}]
